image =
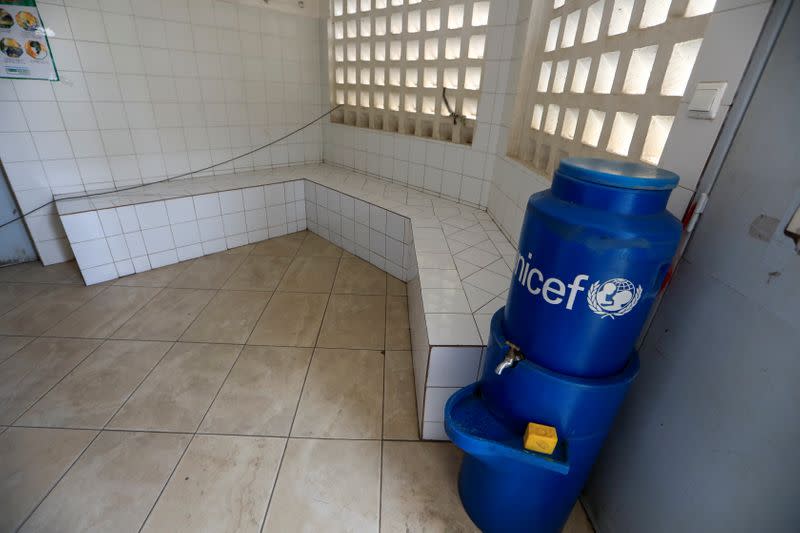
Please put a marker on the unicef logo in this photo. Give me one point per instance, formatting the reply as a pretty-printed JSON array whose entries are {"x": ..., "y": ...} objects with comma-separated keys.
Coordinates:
[{"x": 614, "y": 297}]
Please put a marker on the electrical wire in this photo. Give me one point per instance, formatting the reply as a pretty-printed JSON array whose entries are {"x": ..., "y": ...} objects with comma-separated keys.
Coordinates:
[
  {"x": 185, "y": 174},
  {"x": 455, "y": 116}
]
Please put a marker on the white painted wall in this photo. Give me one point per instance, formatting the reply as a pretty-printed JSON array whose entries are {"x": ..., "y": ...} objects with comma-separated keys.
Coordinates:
[
  {"x": 155, "y": 88},
  {"x": 707, "y": 439}
]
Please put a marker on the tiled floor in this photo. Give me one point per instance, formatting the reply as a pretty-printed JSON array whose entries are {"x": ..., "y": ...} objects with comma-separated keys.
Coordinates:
[{"x": 264, "y": 388}]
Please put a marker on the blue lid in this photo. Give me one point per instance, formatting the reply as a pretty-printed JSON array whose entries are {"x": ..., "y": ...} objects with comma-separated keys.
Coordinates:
[{"x": 624, "y": 174}]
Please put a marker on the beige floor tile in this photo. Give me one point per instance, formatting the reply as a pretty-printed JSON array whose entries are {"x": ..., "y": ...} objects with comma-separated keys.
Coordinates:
[
  {"x": 326, "y": 485},
  {"x": 290, "y": 319},
  {"x": 284, "y": 246},
  {"x": 11, "y": 345},
  {"x": 258, "y": 273},
  {"x": 35, "y": 272},
  {"x": 222, "y": 484},
  {"x": 395, "y": 287},
  {"x": 90, "y": 395},
  {"x": 112, "y": 486},
  {"x": 356, "y": 276},
  {"x": 261, "y": 393},
  {"x": 316, "y": 246},
  {"x": 178, "y": 392},
  {"x": 398, "y": 331},
  {"x": 209, "y": 272},
  {"x": 354, "y": 321},
  {"x": 399, "y": 401},
  {"x": 229, "y": 317},
  {"x": 310, "y": 274},
  {"x": 166, "y": 316},
  {"x": 18, "y": 272},
  {"x": 104, "y": 314},
  {"x": 157, "y": 277},
  {"x": 45, "y": 310},
  {"x": 342, "y": 397},
  {"x": 31, "y": 461},
  {"x": 28, "y": 375},
  {"x": 14, "y": 294},
  {"x": 420, "y": 489}
]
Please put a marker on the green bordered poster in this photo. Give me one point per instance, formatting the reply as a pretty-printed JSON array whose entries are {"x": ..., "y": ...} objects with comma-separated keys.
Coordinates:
[{"x": 24, "y": 49}]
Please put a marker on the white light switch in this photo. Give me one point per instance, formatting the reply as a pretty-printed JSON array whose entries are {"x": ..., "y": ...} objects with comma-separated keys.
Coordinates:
[{"x": 706, "y": 99}]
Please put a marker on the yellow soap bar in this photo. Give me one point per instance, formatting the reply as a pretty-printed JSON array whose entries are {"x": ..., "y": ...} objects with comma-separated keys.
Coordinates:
[{"x": 540, "y": 438}]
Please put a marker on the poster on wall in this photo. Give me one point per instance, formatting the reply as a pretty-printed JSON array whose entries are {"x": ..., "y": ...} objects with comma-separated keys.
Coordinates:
[{"x": 24, "y": 49}]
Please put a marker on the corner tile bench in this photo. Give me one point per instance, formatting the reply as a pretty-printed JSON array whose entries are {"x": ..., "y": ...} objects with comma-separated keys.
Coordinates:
[{"x": 455, "y": 259}]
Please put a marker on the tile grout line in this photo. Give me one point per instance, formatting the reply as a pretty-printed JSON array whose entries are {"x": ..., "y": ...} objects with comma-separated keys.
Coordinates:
[
  {"x": 272, "y": 294},
  {"x": 383, "y": 398},
  {"x": 84, "y": 358},
  {"x": 297, "y": 405},
  {"x": 164, "y": 486},
  {"x": 66, "y": 470},
  {"x": 208, "y": 433},
  {"x": 153, "y": 297},
  {"x": 104, "y": 289},
  {"x": 194, "y": 434},
  {"x": 18, "y": 304},
  {"x": 55, "y": 484},
  {"x": 138, "y": 385}
]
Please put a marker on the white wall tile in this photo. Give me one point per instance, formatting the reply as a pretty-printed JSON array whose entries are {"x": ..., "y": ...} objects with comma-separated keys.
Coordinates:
[
  {"x": 128, "y": 219},
  {"x": 207, "y": 205},
  {"x": 167, "y": 257},
  {"x": 186, "y": 233},
  {"x": 211, "y": 228},
  {"x": 83, "y": 227},
  {"x": 214, "y": 246},
  {"x": 110, "y": 222},
  {"x": 434, "y": 431},
  {"x": 235, "y": 241},
  {"x": 92, "y": 253},
  {"x": 377, "y": 242},
  {"x": 256, "y": 219},
  {"x": 141, "y": 264},
  {"x": 234, "y": 224},
  {"x": 362, "y": 212},
  {"x": 99, "y": 274},
  {"x": 180, "y": 210},
  {"x": 125, "y": 267},
  {"x": 395, "y": 226},
  {"x": 152, "y": 215},
  {"x": 158, "y": 240},
  {"x": 118, "y": 248},
  {"x": 231, "y": 201},
  {"x": 394, "y": 251},
  {"x": 452, "y": 329},
  {"x": 274, "y": 195},
  {"x": 453, "y": 367},
  {"x": 189, "y": 252},
  {"x": 136, "y": 246},
  {"x": 435, "y": 399}
]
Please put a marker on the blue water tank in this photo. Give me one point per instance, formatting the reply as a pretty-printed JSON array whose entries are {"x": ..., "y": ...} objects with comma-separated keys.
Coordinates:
[
  {"x": 593, "y": 253},
  {"x": 504, "y": 487}
]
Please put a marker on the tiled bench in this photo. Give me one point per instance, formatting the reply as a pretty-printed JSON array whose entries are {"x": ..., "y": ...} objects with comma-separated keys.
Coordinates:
[{"x": 454, "y": 258}]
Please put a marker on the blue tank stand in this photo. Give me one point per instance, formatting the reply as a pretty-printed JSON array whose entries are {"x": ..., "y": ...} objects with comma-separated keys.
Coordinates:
[{"x": 505, "y": 488}]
